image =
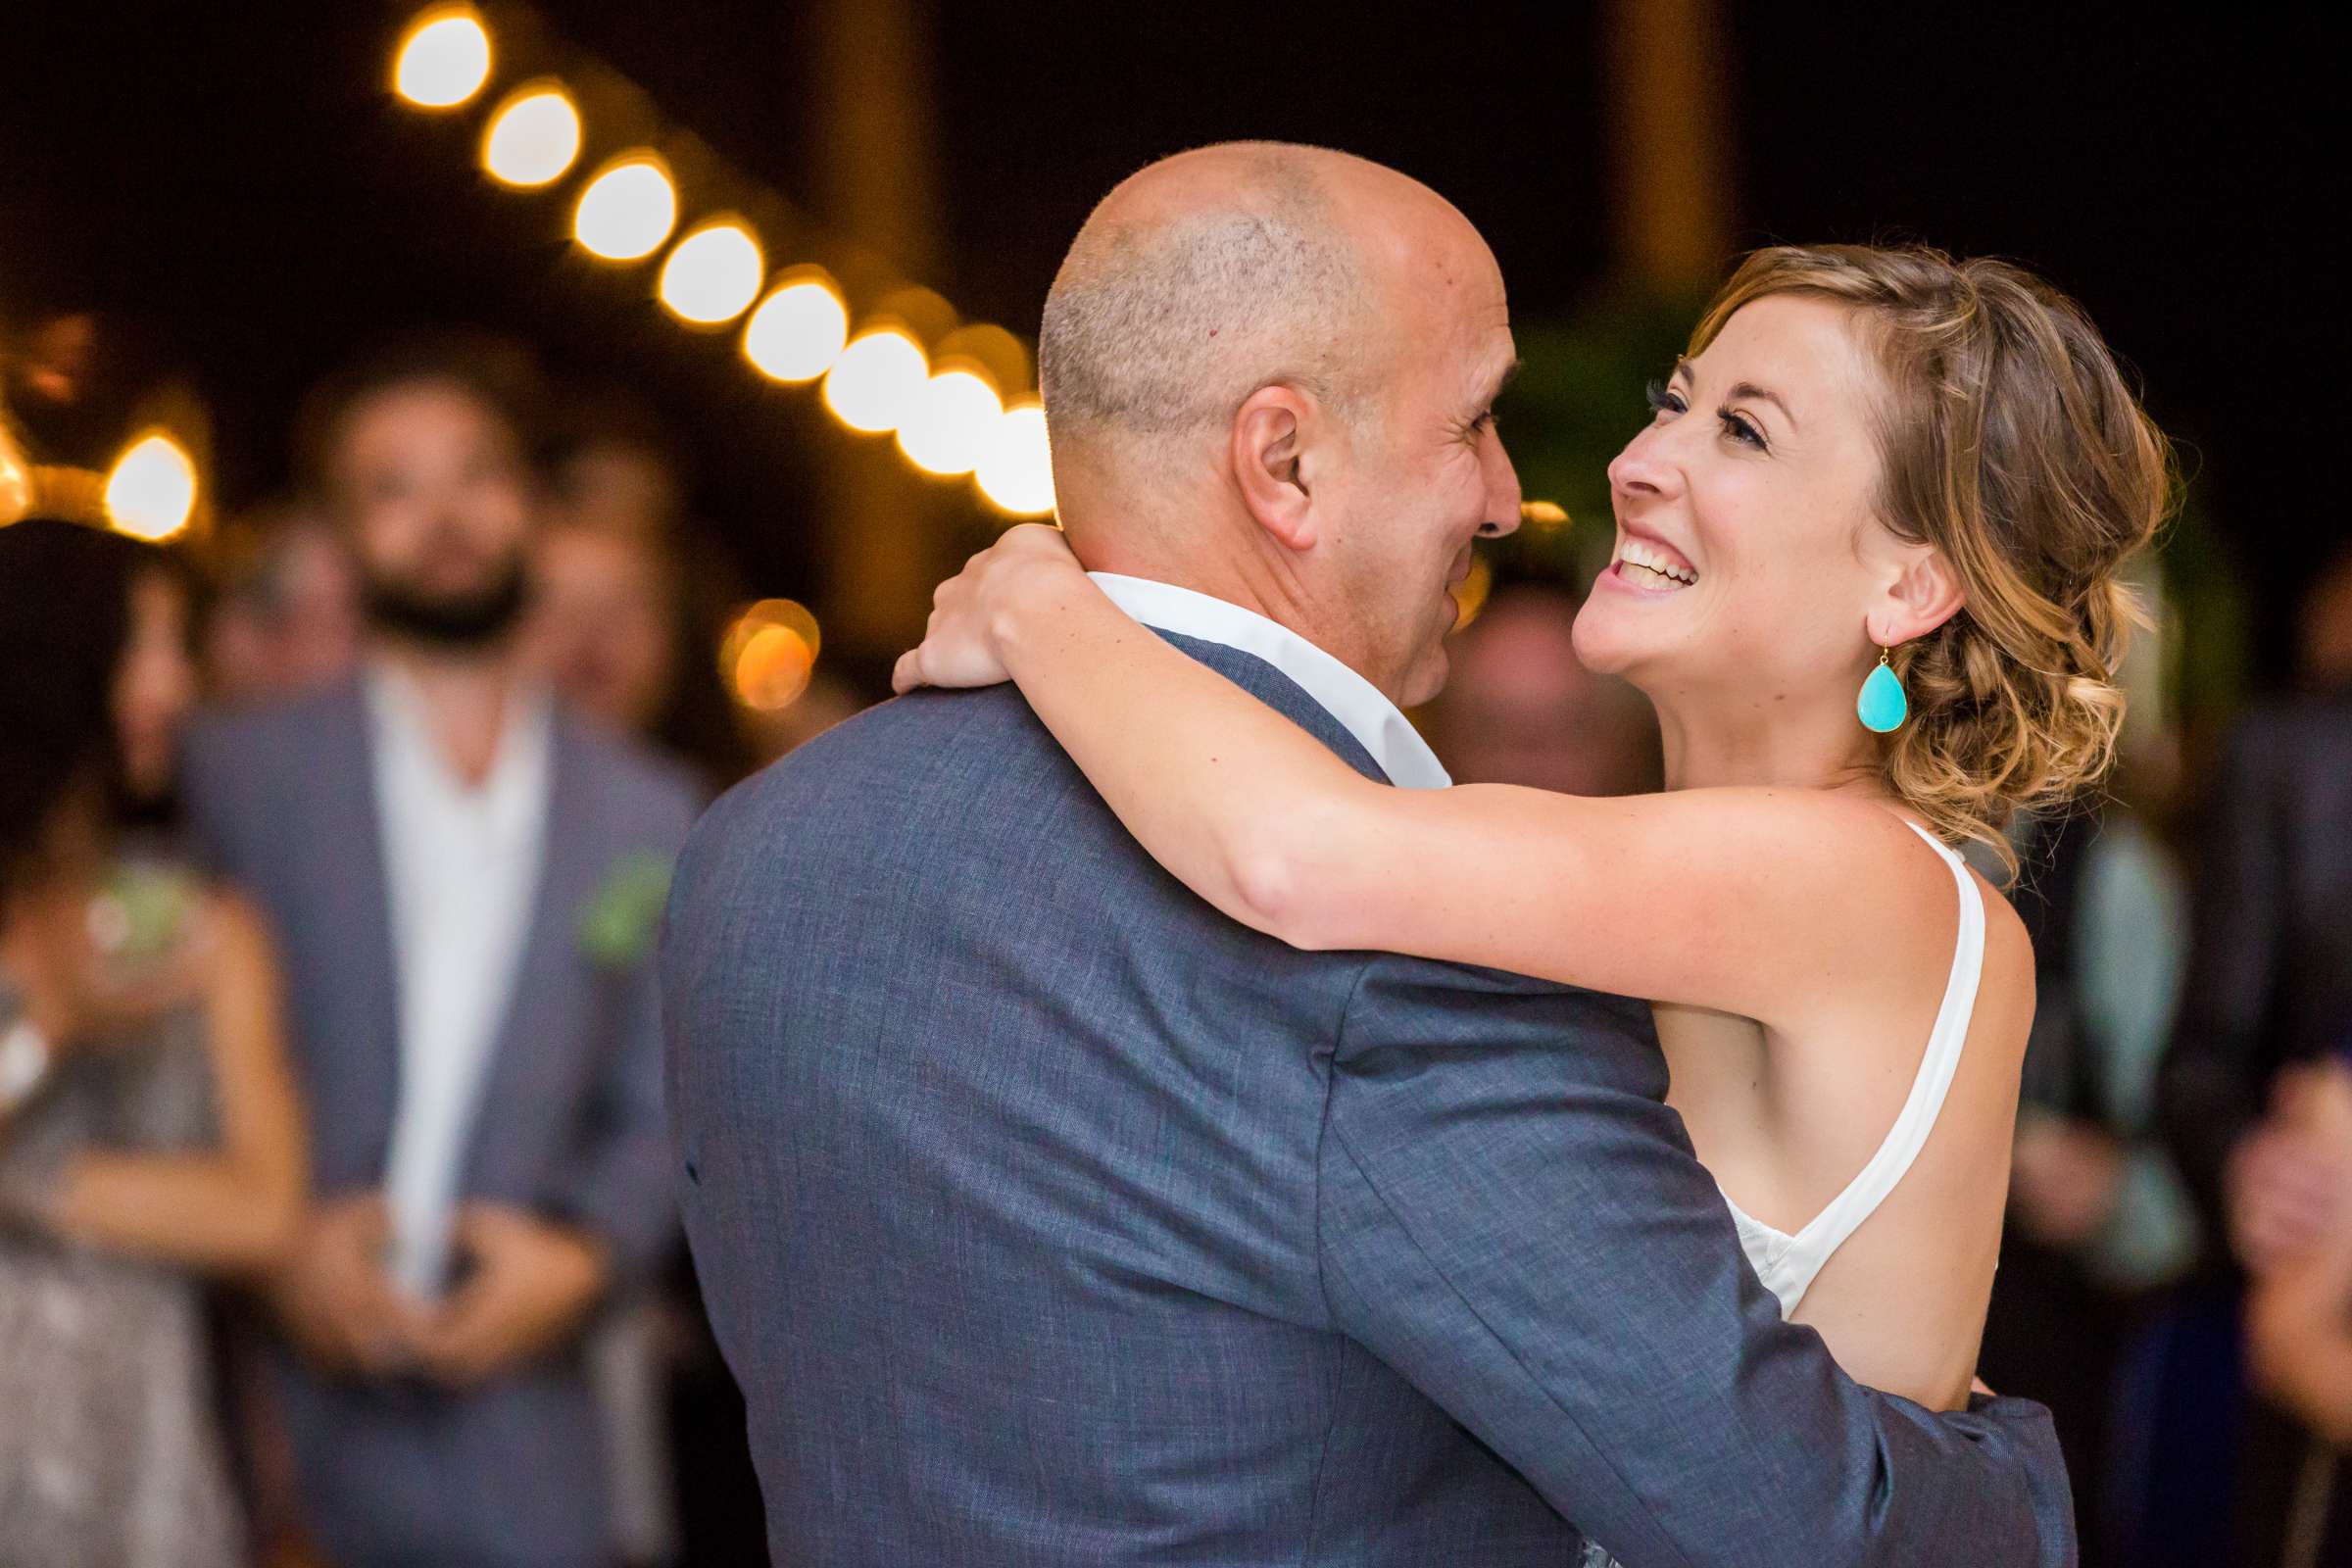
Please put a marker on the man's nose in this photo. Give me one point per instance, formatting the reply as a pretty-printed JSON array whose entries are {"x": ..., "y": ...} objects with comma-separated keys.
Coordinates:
[{"x": 1503, "y": 497}]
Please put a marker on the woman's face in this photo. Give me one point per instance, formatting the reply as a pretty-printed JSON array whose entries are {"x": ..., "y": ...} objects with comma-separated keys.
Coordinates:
[
  {"x": 1749, "y": 561},
  {"x": 155, "y": 685}
]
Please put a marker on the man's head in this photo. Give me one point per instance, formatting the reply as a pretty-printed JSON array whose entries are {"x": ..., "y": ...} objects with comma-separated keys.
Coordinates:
[
  {"x": 1269, "y": 374},
  {"x": 417, "y": 457}
]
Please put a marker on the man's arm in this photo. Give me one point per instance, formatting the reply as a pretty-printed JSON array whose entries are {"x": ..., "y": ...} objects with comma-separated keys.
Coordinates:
[
  {"x": 1513, "y": 1220},
  {"x": 622, "y": 1189}
]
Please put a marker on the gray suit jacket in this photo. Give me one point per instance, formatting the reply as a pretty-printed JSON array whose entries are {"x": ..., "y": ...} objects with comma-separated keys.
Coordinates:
[
  {"x": 570, "y": 1122},
  {"x": 1048, "y": 1217}
]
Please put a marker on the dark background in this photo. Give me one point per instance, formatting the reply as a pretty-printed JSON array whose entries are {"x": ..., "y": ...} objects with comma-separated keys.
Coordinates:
[{"x": 237, "y": 183}]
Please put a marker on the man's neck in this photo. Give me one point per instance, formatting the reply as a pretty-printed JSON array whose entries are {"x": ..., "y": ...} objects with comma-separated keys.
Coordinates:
[
  {"x": 1259, "y": 577},
  {"x": 466, "y": 694}
]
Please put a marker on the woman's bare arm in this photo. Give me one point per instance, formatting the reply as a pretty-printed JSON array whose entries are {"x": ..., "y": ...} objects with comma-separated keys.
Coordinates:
[
  {"x": 1267, "y": 824},
  {"x": 229, "y": 1210}
]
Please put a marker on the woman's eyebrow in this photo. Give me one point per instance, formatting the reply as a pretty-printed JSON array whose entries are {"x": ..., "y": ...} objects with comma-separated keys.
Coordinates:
[{"x": 1750, "y": 389}]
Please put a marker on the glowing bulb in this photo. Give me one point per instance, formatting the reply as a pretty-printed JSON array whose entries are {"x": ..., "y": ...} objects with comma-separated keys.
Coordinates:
[
  {"x": 533, "y": 139},
  {"x": 713, "y": 275},
  {"x": 152, "y": 490},
  {"x": 797, "y": 333},
  {"x": 627, "y": 211},
  {"x": 949, "y": 423},
  {"x": 769, "y": 654},
  {"x": 1017, "y": 469},
  {"x": 444, "y": 60},
  {"x": 873, "y": 385},
  {"x": 16, "y": 480}
]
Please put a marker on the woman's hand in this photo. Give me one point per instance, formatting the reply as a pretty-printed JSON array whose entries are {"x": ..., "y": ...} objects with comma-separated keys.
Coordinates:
[{"x": 962, "y": 646}]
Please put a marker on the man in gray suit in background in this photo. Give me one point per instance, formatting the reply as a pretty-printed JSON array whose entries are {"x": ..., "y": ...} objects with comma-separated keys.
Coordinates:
[
  {"x": 1047, "y": 1218},
  {"x": 465, "y": 882}
]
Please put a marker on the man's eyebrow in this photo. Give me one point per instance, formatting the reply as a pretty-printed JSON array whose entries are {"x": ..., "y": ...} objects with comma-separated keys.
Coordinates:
[{"x": 1510, "y": 373}]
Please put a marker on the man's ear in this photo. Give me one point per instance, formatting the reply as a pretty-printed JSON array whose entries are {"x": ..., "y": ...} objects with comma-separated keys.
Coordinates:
[
  {"x": 1267, "y": 462},
  {"x": 1926, "y": 594}
]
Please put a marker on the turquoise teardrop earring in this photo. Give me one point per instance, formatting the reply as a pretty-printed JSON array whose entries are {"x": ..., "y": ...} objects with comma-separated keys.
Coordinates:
[{"x": 1883, "y": 706}]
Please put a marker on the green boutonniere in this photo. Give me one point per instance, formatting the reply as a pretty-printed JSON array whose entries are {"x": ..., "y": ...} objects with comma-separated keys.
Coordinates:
[{"x": 617, "y": 926}]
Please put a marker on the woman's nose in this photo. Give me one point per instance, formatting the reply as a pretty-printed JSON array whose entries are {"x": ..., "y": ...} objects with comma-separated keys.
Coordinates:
[{"x": 1647, "y": 466}]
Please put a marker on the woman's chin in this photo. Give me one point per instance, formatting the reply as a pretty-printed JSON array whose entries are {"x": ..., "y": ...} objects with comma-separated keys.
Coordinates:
[{"x": 1604, "y": 643}]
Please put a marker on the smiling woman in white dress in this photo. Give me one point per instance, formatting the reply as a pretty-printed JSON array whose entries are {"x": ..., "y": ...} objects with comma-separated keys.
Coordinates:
[{"x": 1866, "y": 570}]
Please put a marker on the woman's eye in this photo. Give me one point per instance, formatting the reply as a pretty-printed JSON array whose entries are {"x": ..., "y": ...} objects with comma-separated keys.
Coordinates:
[
  {"x": 1662, "y": 400},
  {"x": 1740, "y": 429}
]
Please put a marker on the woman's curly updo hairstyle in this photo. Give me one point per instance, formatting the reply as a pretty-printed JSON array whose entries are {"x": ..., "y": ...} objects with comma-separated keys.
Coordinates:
[{"x": 2010, "y": 441}]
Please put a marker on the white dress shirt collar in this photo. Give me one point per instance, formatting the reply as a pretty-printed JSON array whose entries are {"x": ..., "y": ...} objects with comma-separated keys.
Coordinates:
[{"x": 1339, "y": 691}]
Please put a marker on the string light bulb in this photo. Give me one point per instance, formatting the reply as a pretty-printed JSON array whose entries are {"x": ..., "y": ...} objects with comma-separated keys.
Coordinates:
[
  {"x": 873, "y": 385},
  {"x": 532, "y": 138},
  {"x": 713, "y": 275},
  {"x": 627, "y": 211},
  {"x": 151, "y": 491},
  {"x": 797, "y": 333},
  {"x": 1015, "y": 470},
  {"x": 949, "y": 422},
  {"x": 444, "y": 59}
]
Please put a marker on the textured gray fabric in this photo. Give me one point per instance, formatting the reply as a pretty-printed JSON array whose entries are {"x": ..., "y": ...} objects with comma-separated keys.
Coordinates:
[
  {"x": 1048, "y": 1217},
  {"x": 570, "y": 1122}
]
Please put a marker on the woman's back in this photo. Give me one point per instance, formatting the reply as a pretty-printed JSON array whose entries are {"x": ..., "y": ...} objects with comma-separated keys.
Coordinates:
[{"x": 1863, "y": 1145}]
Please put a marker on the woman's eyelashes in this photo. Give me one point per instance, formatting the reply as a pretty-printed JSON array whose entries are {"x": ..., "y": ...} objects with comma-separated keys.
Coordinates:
[
  {"x": 1741, "y": 428},
  {"x": 1664, "y": 399}
]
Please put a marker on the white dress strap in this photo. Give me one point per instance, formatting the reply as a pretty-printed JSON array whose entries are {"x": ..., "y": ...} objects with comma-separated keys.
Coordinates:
[{"x": 1787, "y": 1264}]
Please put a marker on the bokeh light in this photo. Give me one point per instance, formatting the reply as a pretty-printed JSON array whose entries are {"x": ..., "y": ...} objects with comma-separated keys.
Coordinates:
[
  {"x": 1015, "y": 470},
  {"x": 151, "y": 491},
  {"x": 874, "y": 383},
  {"x": 16, "y": 480},
  {"x": 444, "y": 59},
  {"x": 532, "y": 138},
  {"x": 798, "y": 332},
  {"x": 1543, "y": 514},
  {"x": 628, "y": 210},
  {"x": 949, "y": 423},
  {"x": 713, "y": 275},
  {"x": 770, "y": 654},
  {"x": 1470, "y": 595}
]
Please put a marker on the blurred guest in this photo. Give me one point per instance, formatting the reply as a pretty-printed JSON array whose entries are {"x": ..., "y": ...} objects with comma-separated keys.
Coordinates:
[
  {"x": 2299, "y": 1322},
  {"x": 613, "y": 630},
  {"x": 2324, "y": 630},
  {"x": 287, "y": 619},
  {"x": 1522, "y": 710},
  {"x": 2268, "y": 987},
  {"x": 628, "y": 604},
  {"x": 2096, "y": 1218},
  {"x": 149, "y": 1132},
  {"x": 603, "y": 608},
  {"x": 468, "y": 878},
  {"x": 613, "y": 464}
]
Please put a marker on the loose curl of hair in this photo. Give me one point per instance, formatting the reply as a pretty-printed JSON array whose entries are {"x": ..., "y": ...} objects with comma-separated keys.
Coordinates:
[{"x": 2010, "y": 442}]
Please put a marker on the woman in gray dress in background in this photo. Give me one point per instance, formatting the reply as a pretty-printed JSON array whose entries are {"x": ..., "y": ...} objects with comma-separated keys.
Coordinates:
[{"x": 150, "y": 1138}]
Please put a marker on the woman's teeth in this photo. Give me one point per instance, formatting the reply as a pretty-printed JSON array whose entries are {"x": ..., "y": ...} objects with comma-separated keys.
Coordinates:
[{"x": 1646, "y": 567}]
